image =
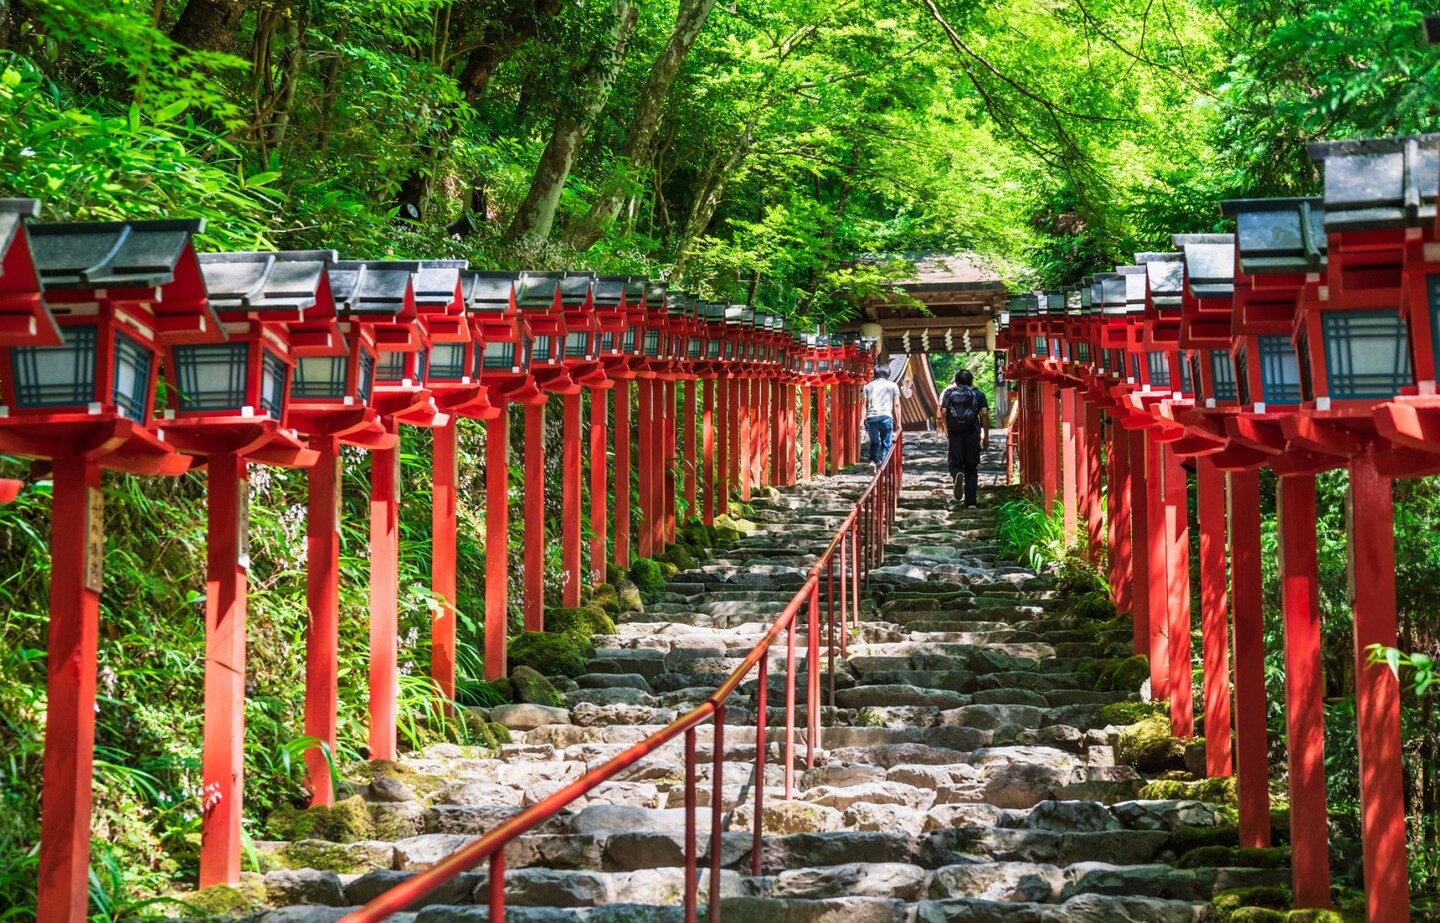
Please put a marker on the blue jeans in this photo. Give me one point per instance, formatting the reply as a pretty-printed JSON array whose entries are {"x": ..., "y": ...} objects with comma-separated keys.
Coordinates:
[{"x": 881, "y": 431}]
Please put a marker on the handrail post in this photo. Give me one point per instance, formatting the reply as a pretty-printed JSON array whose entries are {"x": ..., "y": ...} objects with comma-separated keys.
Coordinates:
[
  {"x": 830, "y": 618},
  {"x": 790, "y": 709},
  {"x": 692, "y": 896},
  {"x": 812, "y": 676},
  {"x": 847, "y": 546},
  {"x": 761, "y": 751},
  {"x": 717, "y": 810},
  {"x": 497, "y": 886}
]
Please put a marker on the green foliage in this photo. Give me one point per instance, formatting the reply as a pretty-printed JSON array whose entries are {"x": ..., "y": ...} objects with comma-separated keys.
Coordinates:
[
  {"x": 581, "y": 622},
  {"x": 677, "y": 556},
  {"x": 646, "y": 575},
  {"x": 1096, "y": 605},
  {"x": 1270, "y": 857},
  {"x": 531, "y": 686},
  {"x": 549, "y": 653},
  {"x": 1148, "y": 746},
  {"x": 1219, "y": 790},
  {"x": 1420, "y": 667},
  {"x": 1026, "y": 533}
]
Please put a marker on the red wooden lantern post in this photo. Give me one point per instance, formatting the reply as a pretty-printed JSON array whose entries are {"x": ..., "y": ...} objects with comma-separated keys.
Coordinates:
[
  {"x": 330, "y": 391},
  {"x": 619, "y": 307},
  {"x": 505, "y": 370},
  {"x": 78, "y": 390},
  {"x": 710, "y": 370},
  {"x": 540, "y": 300},
  {"x": 228, "y": 404},
  {"x": 453, "y": 379},
  {"x": 1364, "y": 357},
  {"x": 583, "y": 333}
]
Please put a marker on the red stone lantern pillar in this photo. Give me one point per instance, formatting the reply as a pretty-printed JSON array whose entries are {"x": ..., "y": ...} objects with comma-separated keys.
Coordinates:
[
  {"x": 1251, "y": 744},
  {"x": 1214, "y": 621}
]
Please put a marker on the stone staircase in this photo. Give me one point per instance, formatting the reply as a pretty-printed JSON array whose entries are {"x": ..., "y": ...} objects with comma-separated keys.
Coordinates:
[{"x": 965, "y": 773}]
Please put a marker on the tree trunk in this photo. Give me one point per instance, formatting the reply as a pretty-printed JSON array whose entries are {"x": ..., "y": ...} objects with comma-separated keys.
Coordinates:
[
  {"x": 536, "y": 215},
  {"x": 641, "y": 133},
  {"x": 208, "y": 25},
  {"x": 703, "y": 206},
  {"x": 499, "y": 39}
]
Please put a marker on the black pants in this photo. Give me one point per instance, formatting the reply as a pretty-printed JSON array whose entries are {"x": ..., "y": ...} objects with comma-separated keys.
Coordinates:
[{"x": 965, "y": 459}]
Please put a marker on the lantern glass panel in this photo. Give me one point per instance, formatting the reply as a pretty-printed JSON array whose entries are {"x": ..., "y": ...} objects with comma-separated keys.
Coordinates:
[
  {"x": 652, "y": 343},
  {"x": 499, "y": 356},
  {"x": 1082, "y": 351},
  {"x": 1242, "y": 375},
  {"x": 209, "y": 377},
  {"x": 1434, "y": 282},
  {"x": 1135, "y": 366},
  {"x": 712, "y": 348},
  {"x": 1307, "y": 385},
  {"x": 57, "y": 376},
  {"x": 447, "y": 361},
  {"x": 697, "y": 348},
  {"x": 729, "y": 349},
  {"x": 629, "y": 346},
  {"x": 1158, "y": 365},
  {"x": 134, "y": 366},
  {"x": 1279, "y": 370},
  {"x": 272, "y": 384},
  {"x": 527, "y": 354},
  {"x": 1042, "y": 346},
  {"x": 366, "y": 384},
  {"x": 607, "y": 341},
  {"x": 319, "y": 376},
  {"x": 393, "y": 366},
  {"x": 1188, "y": 378},
  {"x": 544, "y": 349},
  {"x": 1222, "y": 372},
  {"x": 577, "y": 345},
  {"x": 1367, "y": 353}
]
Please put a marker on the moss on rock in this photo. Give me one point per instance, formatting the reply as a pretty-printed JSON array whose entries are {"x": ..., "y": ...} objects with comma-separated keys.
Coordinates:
[
  {"x": 1122, "y": 713},
  {"x": 347, "y": 821},
  {"x": 228, "y": 900},
  {"x": 647, "y": 575},
  {"x": 1215, "y": 791},
  {"x": 1148, "y": 746},
  {"x": 533, "y": 688},
  {"x": 1227, "y": 903},
  {"x": 697, "y": 534},
  {"x": 678, "y": 556},
  {"x": 1274, "y": 857},
  {"x": 549, "y": 653},
  {"x": 1125, "y": 674},
  {"x": 581, "y": 622}
]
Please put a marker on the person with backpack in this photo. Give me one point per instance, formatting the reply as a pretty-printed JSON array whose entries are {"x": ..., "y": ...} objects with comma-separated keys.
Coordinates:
[
  {"x": 967, "y": 426},
  {"x": 880, "y": 416}
]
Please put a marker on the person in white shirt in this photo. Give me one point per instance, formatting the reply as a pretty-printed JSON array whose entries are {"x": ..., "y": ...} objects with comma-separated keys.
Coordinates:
[{"x": 881, "y": 395}]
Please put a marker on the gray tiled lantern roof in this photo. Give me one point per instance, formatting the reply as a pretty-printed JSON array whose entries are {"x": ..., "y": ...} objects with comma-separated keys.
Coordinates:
[
  {"x": 110, "y": 254},
  {"x": 577, "y": 285},
  {"x": 1073, "y": 303},
  {"x": 1209, "y": 263},
  {"x": 675, "y": 303},
  {"x": 1054, "y": 303},
  {"x": 654, "y": 294},
  {"x": 713, "y": 311},
  {"x": 1379, "y": 184},
  {"x": 1085, "y": 290},
  {"x": 13, "y": 213},
  {"x": 1278, "y": 235},
  {"x": 734, "y": 313},
  {"x": 537, "y": 289},
  {"x": 1110, "y": 287},
  {"x": 1136, "y": 287},
  {"x": 375, "y": 287},
  {"x": 1166, "y": 275},
  {"x": 610, "y": 291},
  {"x": 492, "y": 290},
  {"x": 1023, "y": 304},
  {"x": 436, "y": 282},
  {"x": 285, "y": 280}
]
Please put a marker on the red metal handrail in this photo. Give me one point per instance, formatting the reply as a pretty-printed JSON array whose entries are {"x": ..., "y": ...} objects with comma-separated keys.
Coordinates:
[{"x": 859, "y": 543}]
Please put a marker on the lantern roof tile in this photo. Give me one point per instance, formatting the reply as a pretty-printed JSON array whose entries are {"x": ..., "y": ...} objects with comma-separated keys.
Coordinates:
[
  {"x": 1209, "y": 263},
  {"x": 378, "y": 287},
  {"x": 492, "y": 290},
  {"x": 1381, "y": 183},
  {"x": 1278, "y": 235},
  {"x": 285, "y": 280},
  {"x": 1165, "y": 273},
  {"x": 110, "y": 254}
]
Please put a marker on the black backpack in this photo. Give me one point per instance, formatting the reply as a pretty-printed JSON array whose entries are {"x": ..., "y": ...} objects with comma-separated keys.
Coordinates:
[{"x": 962, "y": 409}]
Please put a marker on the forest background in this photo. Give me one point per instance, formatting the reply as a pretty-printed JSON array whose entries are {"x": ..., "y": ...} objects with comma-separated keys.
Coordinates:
[{"x": 789, "y": 153}]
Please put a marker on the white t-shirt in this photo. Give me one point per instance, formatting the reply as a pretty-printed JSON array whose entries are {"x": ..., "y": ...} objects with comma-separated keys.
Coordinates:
[{"x": 880, "y": 395}]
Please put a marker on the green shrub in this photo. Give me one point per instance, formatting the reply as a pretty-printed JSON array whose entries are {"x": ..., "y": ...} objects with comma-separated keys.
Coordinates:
[
  {"x": 668, "y": 570},
  {"x": 1026, "y": 533},
  {"x": 549, "y": 653},
  {"x": 646, "y": 575},
  {"x": 1272, "y": 857},
  {"x": 1095, "y": 605},
  {"x": 606, "y": 598},
  {"x": 1227, "y": 902},
  {"x": 613, "y": 574}
]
